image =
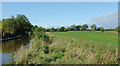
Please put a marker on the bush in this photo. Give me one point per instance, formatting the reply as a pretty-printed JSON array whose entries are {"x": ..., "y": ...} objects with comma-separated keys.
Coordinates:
[
  {"x": 109, "y": 29},
  {"x": 54, "y": 56},
  {"x": 52, "y": 31},
  {"x": 67, "y": 29},
  {"x": 81, "y": 29},
  {"x": 41, "y": 35},
  {"x": 102, "y": 29},
  {"x": 117, "y": 29},
  {"x": 46, "y": 49},
  {"x": 87, "y": 29}
]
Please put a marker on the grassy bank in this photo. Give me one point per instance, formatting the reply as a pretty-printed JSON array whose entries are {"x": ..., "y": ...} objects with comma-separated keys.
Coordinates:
[{"x": 69, "y": 48}]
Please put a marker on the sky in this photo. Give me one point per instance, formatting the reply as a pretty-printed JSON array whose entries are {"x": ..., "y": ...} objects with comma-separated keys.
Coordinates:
[{"x": 57, "y": 14}]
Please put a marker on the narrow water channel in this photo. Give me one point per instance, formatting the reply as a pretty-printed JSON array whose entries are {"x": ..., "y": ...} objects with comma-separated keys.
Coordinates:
[{"x": 11, "y": 46}]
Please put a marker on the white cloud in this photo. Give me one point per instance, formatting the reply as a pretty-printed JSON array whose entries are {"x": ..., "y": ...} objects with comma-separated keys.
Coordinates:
[
  {"x": 44, "y": 26},
  {"x": 107, "y": 21}
]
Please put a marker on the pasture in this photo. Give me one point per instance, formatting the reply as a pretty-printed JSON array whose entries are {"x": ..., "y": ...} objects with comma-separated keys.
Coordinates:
[{"x": 98, "y": 37}]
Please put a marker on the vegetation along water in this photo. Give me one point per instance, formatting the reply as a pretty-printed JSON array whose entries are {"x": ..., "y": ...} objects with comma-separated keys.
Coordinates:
[{"x": 76, "y": 44}]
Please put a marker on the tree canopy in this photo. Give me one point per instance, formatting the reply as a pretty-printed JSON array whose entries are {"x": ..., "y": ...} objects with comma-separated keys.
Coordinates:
[
  {"x": 16, "y": 26},
  {"x": 93, "y": 27}
]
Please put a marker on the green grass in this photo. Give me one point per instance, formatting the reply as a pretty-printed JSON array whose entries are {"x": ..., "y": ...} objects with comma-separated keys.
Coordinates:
[
  {"x": 98, "y": 37},
  {"x": 70, "y": 48}
]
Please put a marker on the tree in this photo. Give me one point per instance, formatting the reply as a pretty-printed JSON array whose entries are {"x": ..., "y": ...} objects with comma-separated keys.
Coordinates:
[
  {"x": 100, "y": 29},
  {"x": 93, "y": 27},
  {"x": 58, "y": 29},
  {"x": 16, "y": 26},
  {"x": 23, "y": 23},
  {"x": 67, "y": 29},
  {"x": 87, "y": 29},
  {"x": 8, "y": 26},
  {"x": 73, "y": 27},
  {"x": 53, "y": 29},
  {"x": 84, "y": 26},
  {"x": 81, "y": 29},
  {"x": 61, "y": 29},
  {"x": 78, "y": 27},
  {"x": 109, "y": 29},
  {"x": 39, "y": 29},
  {"x": 0, "y": 26},
  {"x": 34, "y": 27},
  {"x": 117, "y": 29},
  {"x": 47, "y": 30}
]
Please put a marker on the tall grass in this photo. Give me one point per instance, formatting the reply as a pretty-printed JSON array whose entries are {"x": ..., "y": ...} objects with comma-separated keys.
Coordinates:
[{"x": 66, "y": 50}]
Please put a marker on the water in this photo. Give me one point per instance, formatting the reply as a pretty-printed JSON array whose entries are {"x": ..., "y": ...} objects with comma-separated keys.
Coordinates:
[{"x": 11, "y": 46}]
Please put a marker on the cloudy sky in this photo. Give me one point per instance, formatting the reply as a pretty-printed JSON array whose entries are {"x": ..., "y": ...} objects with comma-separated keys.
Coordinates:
[
  {"x": 109, "y": 20},
  {"x": 56, "y": 14}
]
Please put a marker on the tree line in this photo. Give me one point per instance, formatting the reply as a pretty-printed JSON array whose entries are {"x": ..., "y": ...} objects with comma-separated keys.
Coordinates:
[
  {"x": 20, "y": 25},
  {"x": 74, "y": 27}
]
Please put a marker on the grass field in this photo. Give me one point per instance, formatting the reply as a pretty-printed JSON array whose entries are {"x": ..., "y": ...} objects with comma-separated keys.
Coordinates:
[
  {"x": 72, "y": 47},
  {"x": 98, "y": 37}
]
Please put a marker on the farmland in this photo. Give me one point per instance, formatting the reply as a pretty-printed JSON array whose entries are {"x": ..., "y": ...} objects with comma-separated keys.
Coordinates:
[
  {"x": 98, "y": 37},
  {"x": 72, "y": 47}
]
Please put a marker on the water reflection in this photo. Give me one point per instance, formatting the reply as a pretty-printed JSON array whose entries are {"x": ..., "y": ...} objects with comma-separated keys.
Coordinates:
[{"x": 12, "y": 46}]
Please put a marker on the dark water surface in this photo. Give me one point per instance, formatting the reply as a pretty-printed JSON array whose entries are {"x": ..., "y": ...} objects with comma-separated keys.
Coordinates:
[{"x": 11, "y": 46}]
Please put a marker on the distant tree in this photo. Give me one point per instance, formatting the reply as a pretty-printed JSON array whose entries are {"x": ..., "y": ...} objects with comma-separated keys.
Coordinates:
[
  {"x": 78, "y": 27},
  {"x": 53, "y": 29},
  {"x": 81, "y": 29},
  {"x": 93, "y": 27},
  {"x": 58, "y": 29},
  {"x": 117, "y": 29},
  {"x": 67, "y": 29},
  {"x": 0, "y": 26},
  {"x": 61, "y": 29},
  {"x": 47, "y": 30},
  {"x": 39, "y": 29},
  {"x": 87, "y": 29},
  {"x": 100, "y": 29},
  {"x": 73, "y": 27},
  {"x": 34, "y": 27},
  {"x": 84, "y": 26},
  {"x": 109, "y": 29}
]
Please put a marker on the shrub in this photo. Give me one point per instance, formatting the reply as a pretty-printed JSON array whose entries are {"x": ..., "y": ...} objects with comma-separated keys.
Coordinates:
[
  {"x": 102, "y": 29},
  {"x": 46, "y": 49},
  {"x": 41, "y": 35},
  {"x": 93, "y": 27},
  {"x": 117, "y": 29},
  {"x": 51, "y": 30},
  {"x": 81, "y": 29},
  {"x": 54, "y": 56},
  {"x": 67, "y": 29},
  {"x": 87, "y": 29}
]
